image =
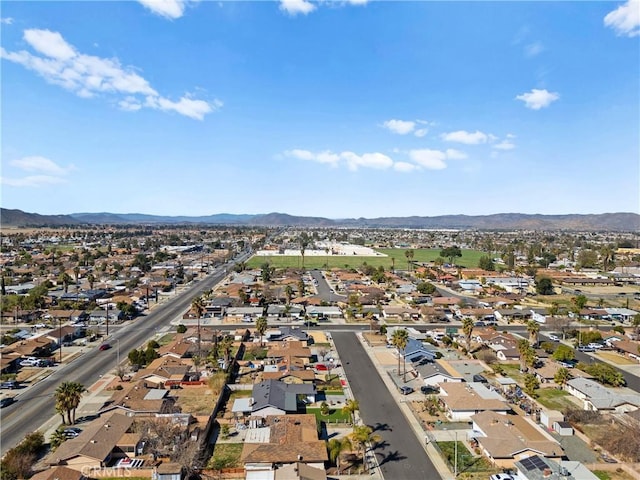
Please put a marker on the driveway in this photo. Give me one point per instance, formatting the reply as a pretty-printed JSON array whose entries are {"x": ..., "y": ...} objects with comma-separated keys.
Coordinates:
[{"x": 400, "y": 454}]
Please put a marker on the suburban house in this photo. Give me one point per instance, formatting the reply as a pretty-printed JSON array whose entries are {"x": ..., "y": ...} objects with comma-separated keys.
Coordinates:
[
  {"x": 437, "y": 373},
  {"x": 462, "y": 400},
  {"x": 163, "y": 370},
  {"x": 138, "y": 399},
  {"x": 289, "y": 355},
  {"x": 180, "y": 347},
  {"x": 59, "y": 473},
  {"x": 537, "y": 467},
  {"x": 322, "y": 311},
  {"x": 237, "y": 314},
  {"x": 395, "y": 312},
  {"x": 285, "y": 333},
  {"x": 417, "y": 352},
  {"x": 284, "y": 440},
  {"x": 511, "y": 314},
  {"x": 290, "y": 376},
  {"x": 275, "y": 312},
  {"x": 96, "y": 447},
  {"x": 628, "y": 348},
  {"x": 506, "y": 439},
  {"x": 99, "y": 315},
  {"x": 271, "y": 397},
  {"x": 600, "y": 398}
]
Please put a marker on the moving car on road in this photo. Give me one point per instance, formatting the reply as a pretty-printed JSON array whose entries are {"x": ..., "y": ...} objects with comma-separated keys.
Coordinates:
[{"x": 104, "y": 346}]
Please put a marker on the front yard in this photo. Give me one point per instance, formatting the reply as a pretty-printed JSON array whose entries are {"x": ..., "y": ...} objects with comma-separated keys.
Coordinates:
[
  {"x": 555, "y": 399},
  {"x": 336, "y": 415},
  {"x": 225, "y": 455}
]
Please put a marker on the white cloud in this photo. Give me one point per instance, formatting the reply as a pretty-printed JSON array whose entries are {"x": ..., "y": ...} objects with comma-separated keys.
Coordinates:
[
  {"x": 537, "y": 99},
  {"x": 469, "y": 138},
  {"x": 32, "y": 181},
  {"x": 171, "y": 9},
  {"x": 326, "y": 157},
  {"x": 89, "y": 75},
  {"x": 47, "y": 172},
  {"x": 405, "y": 167},
  {"x": 453, "y": 154},
  {"x": 358, "y": 2},
  {"x": 533, "y": 49},
  {"x": 625, "y": 19},
  {"x": 39, "y": 164},
  {"x": 504, "y": 145},
  {"x": 368, "y": 160},
  {"x": 401, "y": 127},
  {"x": 421, "y": 132},
  {"x": 6, "y": 20},
  {"x": 294, "y": 7},
  {"x": 431, "y": 159}
]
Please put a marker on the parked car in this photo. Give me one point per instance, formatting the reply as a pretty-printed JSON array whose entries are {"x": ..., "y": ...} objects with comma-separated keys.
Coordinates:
[
  {"x": 405, "y": 390},
  {"x": 480, "y": 378},
  {"x": 429, "y": 389},
  {"x": 44, "y": 362},
  {"x": 597, "y": 346},
  {"x": 501, "y": 476},
  {"x": 585, "y": 348},
  {"x": 29, "y": 362},
  {"x": 104, "y": 346},
  {"x": 6, "y": 401},
  {"x": 553, "y": 338},
  {"x": 9, "y": 385},
  {"x": 72, "y": 432}
]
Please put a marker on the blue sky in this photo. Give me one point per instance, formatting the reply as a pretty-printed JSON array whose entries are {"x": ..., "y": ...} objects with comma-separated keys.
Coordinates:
[{"x": 335, "y": 109}]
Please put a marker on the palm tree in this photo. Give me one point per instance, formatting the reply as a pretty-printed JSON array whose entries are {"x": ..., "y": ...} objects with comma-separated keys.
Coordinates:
[
  {"x": 197, "y": 306},
  {"x": 350, "y": 408},
  {"x": 527, "y": 354},
  {"x": 335, "y": 447},
  {"x": 67, "y": 398},
  {"x": 197, "y": 361},
  {"x": 261, "y": 327},
  {"x": 65, "y": 279},
  {"x": 562, "y": 376},
  {"x": 360, "y": 437},
  {"x": 304, "y": 243},
  {"x": 409, "y": 254},
  {"x": 57, "y": 438},
  {"x": 76, "y": 273},
  {"x": 288, "y": 293},
  {"x": 467, "y": 328},
  {"x": 226, "y": 345},
  {"x": 608, "y": 255},
  {"x": 91, "y": 279},
  {"x": 533, "y": 328},
  {"x": 399, "y": 339}
]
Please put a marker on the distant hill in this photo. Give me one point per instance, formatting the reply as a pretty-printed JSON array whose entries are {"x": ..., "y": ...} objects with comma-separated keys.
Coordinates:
[
  {"x": 499, "y": 221},
  {"x": 18, "y": 218}
]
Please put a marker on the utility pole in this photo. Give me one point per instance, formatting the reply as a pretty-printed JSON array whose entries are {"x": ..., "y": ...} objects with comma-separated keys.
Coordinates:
[
  {"x": 60, "y": 337},
  {"x": 107, "y": 319},
  {"x": 455, "y": 456}
]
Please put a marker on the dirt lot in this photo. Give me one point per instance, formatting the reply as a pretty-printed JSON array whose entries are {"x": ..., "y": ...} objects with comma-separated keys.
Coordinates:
[{"x": 195, "y": 400}]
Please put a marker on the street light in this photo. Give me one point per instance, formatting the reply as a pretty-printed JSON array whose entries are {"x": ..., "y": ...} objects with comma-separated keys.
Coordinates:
[{"x": 107, "y": 319}]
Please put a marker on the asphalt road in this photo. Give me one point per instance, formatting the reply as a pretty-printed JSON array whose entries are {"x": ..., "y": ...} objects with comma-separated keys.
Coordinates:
[
  {"x": 35, "y": 405},
  {"x": 324, "y": 290},
  {"x": 399, "y": 454}
]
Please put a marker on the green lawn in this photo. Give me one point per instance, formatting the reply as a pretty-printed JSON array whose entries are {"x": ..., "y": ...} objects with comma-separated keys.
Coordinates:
[
  {"x": 336, "y": 415},
  {"x": 225, "y": 455},
  {"x": 554, "y": 399},
  {"x": 513, "y": 370},
  {"x": 469, "y": 259}
]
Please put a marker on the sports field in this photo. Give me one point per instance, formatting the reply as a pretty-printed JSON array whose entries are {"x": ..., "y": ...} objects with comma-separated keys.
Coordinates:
[{"x": 469, "y": 259}]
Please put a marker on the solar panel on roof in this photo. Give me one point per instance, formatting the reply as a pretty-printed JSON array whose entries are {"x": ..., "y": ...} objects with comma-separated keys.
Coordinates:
[
  {"x": 539, "y": 463},
  {"x": 527, "y": 464}
]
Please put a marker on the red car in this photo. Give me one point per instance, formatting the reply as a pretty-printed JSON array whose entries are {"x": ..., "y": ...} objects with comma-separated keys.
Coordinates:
[{"x": 104, "y": 346}]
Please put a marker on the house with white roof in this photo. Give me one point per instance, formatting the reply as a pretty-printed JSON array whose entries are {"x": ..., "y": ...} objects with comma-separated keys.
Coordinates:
[{"x": 600, "y": 398}]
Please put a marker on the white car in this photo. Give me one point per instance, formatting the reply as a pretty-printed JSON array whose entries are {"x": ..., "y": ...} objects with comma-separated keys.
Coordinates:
[
  {"x": 40, "y": 325},
  {"x": 554, "y": 338},
  {"x": 29, "y": 362},
  {"x": 595, "y": 345},
  {"x": 501, "y": 476}
]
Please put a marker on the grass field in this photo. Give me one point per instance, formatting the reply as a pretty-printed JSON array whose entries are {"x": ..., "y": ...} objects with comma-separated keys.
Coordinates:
[
  {"x": 466, "y": 461},
  {"x": 225, "y": 455},
  {"x": 336, "y": 415},
  {"x": 469, "y": 259},
  {"x": 554, "y": 399},
  {"x": 616, "y": 358}
]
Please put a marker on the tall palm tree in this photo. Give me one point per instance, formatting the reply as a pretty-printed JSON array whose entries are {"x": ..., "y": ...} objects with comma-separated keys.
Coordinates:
[
  {"x": 226, "y": 345},
  {"x": 67, "y": 398},
  {"x": 336, "y": 446},
  {"x": 91, "y": 279},
  {"x": 288, "y": 293},
  {"x": 361, "y": 436},
  {"x": 76, "y": 273},
  {"x": 57, "y": 438},
  {"x": 409, "y": 254},
  {"x": 533, "y": 328},
  {"x": 399, "y": 339},
  {"x": 197, "y": 305},
  {"x": 562, "y": 376},
  {"x": 467, "y": 329},
  {"x": 527, "y": 354},
  {"x": 261, "y": 327},
  {"x": 350, "y": 408}
]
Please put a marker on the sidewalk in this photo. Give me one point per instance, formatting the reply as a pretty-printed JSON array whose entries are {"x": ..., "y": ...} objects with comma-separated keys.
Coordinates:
[{"x": 418, "y": 431}]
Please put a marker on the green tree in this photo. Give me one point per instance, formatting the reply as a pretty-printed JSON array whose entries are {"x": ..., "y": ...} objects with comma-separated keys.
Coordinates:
[
  {"x": 399, "y": 339},
  {"x": 544, "y": 286},
  {"x": 335, "y": 447},
  {"x": 587, "y": 259},
  {"x": 562, "y": 376},
  {"x": 361, "y": 436},
  {"x": 65, "y": 280},
  {"x": 197, "y": 305},
  {"x": 564, "y": 353},
  {"x": 531, "y": 383},
  {"x": 527, "y": 354},
  {"x": 67, "y": 398},
  {"x": 181, "y": 328},
  {"x": 261, "y": 327},
  {"x": 426, "y": 288},
  {"x": 486, "y": 263},
  {"x": 350, "y": 408},
  {"x": 409, "y": 254},
  {"x": 266, "y": 272},
  {"x": 450, "y": 253},
  {"x": 288, "y": 292},
  {"x": 579, "y": 302},
  {"x": 603, "y": 373},
  {"x": 533, "y": 328},
  {"x": 57, "y": 438},
  {"x": 91, "y": 279}
]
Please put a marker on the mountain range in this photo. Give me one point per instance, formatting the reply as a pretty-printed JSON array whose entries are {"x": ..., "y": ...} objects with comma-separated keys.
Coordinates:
[{"x": 499, "y": 221}]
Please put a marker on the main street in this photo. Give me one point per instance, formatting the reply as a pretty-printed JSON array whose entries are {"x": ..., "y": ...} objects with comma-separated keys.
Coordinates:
[{"x": 35, "y": 405}]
